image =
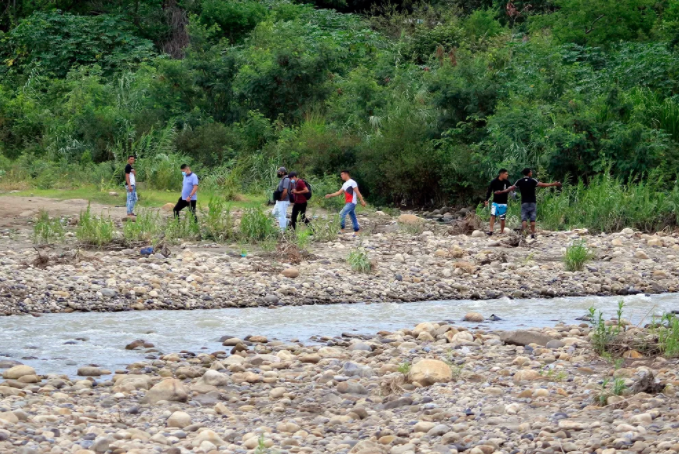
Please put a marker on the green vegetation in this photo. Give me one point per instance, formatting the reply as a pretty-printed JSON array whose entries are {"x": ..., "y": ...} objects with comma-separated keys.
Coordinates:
[
  {"x": 256, "y": 226},
  {"x": 604, "y": 334},
  {"x": 94, "y": 231},
  {"x": 404, "y": 367},
  {"x": 218, "y": 222},
  {"x": 145, "y": 228},
  {"x": 577, "y": 255},
  {"x": 422, "y": 102},
  {"x": 46, "y": 230},
  {"x": 359, "y": 261}
]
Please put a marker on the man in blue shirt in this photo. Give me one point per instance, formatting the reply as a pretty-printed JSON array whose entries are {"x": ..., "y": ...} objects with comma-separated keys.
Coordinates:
[{"x": 189, "y": 190}]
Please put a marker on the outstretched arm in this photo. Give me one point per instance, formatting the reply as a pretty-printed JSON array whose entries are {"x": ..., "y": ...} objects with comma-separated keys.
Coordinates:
[
  {"x": 548, "y": 185},
  {"x": 334, "y": 194}
]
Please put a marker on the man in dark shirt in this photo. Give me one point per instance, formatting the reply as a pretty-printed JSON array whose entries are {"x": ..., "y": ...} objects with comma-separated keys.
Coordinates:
[
  {"x": 299, "y": 194},
  {"x": 500, "y": 188},
  {"x": 527, "y": 186}
]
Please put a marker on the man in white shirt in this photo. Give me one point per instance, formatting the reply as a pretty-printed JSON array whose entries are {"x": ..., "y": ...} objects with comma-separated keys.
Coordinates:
[
  {"x": 131, "y": 185},
  {"x": 351, "y": 198},
  {"x": 282, "y": 198}
]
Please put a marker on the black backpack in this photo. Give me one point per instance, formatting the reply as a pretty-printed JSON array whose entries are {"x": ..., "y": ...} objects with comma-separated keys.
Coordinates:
[{"x": 310, "y": 193}]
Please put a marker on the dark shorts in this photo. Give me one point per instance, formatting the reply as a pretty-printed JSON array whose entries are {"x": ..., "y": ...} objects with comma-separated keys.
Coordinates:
[{"x": 529, "y": 212}]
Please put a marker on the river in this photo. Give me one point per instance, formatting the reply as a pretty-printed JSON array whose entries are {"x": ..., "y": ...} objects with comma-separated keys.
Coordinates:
[{"x": 60, "y": 343}]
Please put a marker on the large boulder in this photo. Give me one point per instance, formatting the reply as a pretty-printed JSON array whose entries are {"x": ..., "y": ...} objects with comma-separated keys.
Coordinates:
[
  {"x": 429, "y": 371},
  {"x": 214, "y": 378},
  {"x": 131, "y": 383},
  {"x": 179, "y": 419},
  {"x": 523, "y": 338},
  {"x": 368, "y": 447},
  {"x": 18, "y": 372},
  {"x": 473, "y": 317},
  {"x": 170, "y": 389},
  {"x": 409, "y": 219}
]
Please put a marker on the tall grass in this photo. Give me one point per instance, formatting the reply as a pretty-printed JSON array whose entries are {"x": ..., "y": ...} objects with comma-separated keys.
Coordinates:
[
  {"x": 256, "y": 226},
  {"x": 147, "y": 227},
  {"x": 93, "y": 230},
  {"x": 47, "y": 230},
  {"x": 217, "y": 222}
]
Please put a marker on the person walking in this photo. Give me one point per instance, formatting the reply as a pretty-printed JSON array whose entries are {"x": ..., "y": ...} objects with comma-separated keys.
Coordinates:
[
  {"x": 300, "y": 192},
  {"x": 189, "y": 190},
  {"x": 499, "y": 187},
  {"x": 527, "y": 186},
  {"x": 131, "y": 185},
  {"x": 351, "y": 197},
  {"x": 282, "y": 197}
]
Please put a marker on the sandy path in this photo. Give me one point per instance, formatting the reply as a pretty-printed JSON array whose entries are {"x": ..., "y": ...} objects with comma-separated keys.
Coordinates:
[{"x": 17, "y": 211}]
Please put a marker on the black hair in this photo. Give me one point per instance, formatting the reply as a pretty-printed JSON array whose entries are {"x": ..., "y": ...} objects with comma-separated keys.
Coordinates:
[
  {"x": 131, "y": 156},
  {"x": 183, "y": 166},
  {"x": 502, "y": 171},
  {"x": 526, "y": 171},
  {"x": 292, "y": 174},
  {"x": 345, "y": 171}
]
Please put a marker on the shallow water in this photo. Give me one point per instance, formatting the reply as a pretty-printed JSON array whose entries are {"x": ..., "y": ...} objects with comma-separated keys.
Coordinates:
[{"x": 51, "y": 339}]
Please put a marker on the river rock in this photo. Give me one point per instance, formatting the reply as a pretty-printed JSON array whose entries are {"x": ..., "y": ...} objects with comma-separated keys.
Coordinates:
[
  {"x": 368, "y": 447},
  {"x": 290, "y": 272},
  {"x": 18, "y": 372},
  {"x": 214, "y": 378},
  {"x": 473, "y": 317},
  {"x": 410, "y": 219},
  {"x": 429, "y": 371},
  {"x": 167, "y": 207},
  {"x": 169, "y": 389},
  {"x": 478, "y": 234},
  {"x": 89, "y": 371},
  {"x": 523, "y": 338},
  {"x": 179, "y": 419}
]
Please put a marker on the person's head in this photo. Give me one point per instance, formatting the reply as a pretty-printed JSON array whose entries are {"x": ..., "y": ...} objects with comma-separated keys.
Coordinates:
[
  {"x": 282, "y": 171},
  {"x": 344, "y": 174},
  {"x": 292, "y": 176},
  {"x": 527, "y": 172},
  {"x": 131, "y": 158},
  {"x": 186, "y": 170},
  {"x": 503, "y": 174}
]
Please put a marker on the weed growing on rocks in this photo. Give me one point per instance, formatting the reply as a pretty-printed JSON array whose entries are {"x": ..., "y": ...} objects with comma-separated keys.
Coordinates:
[
  {"x": 146, "y": 227},
  {"x": 218, "y": 223},
  {"x": 603, "y": 334},
  {"x": 182, "y": 228},
  {"x": 46, "y": 230},
  {"x": 359, "y": 261},
  {"x": 325, "y": 229},
  {"x": 404, "y": 367},
  {"x": 577, "y": 255},
  {"x": 256, "y": 226},
  {"x": 93, "y": 230}
]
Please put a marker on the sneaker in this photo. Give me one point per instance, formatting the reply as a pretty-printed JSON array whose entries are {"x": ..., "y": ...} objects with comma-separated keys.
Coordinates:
[
  {"x": 532, "y": 235},
  {"x": 489, "y": 233}
]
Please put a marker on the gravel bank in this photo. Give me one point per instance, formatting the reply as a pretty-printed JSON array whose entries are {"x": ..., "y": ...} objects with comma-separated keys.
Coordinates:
[
  {"x": 432, "y": 389},
  {"x": 428, "y": 266}
]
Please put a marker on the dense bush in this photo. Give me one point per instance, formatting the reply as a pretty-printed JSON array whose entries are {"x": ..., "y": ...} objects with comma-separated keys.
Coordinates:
[{"x": 422, "y": 102}]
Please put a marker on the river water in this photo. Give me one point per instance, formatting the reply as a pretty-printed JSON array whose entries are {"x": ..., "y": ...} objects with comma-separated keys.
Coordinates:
[{"x": 60, "y": 343}]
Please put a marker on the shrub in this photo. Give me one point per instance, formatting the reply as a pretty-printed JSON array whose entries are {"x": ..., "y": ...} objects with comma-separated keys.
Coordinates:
[
  {"x": 182, "y": 228},
  {"x": 256, "y": 226},
  {"x": 217, "y": 222},
  {"x": 146, "y": 227},
  {"x": 94, "y": 231},
  {"x": 46, "y": 230},
  {"x": 325, "y": 229},
  {"x": 577, "y": 254},
  {"x": 359, "y": 261}
]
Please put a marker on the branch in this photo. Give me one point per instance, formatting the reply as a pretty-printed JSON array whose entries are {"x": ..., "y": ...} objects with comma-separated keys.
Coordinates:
[{"x": 591, "y": 27}]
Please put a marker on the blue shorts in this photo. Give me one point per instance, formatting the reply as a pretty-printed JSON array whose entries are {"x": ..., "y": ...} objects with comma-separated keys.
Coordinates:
[{"x": 498, "y": 210}]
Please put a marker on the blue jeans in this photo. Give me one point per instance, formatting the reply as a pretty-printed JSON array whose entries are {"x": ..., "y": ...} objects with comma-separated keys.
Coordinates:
[
  {"x": 131, "y": 199},
  {"x": 350, "y": 209}
]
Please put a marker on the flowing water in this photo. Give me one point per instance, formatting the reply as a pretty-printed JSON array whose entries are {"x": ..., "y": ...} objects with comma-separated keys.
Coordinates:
[{"x": 60, "y": 343}]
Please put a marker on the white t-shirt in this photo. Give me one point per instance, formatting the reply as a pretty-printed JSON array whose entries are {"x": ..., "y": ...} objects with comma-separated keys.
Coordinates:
[{"x": 349, "y": 192}]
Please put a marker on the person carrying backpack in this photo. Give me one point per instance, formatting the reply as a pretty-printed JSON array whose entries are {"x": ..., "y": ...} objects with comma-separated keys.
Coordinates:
[
  {"x": 301, "y": 194},
  {"x": 282, "y": 198}
]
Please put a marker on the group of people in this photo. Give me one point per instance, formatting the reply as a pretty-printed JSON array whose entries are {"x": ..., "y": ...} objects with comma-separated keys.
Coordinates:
[
  {"x": 500, "y": 188},
  {"x": 189, "y": 196},
  {"x": 293, "y": 189},
  {"x": 290, "y": 190}
]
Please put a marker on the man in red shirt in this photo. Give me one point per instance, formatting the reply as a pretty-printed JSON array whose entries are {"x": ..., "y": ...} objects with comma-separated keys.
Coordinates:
[{"x": 299, "y": 194}]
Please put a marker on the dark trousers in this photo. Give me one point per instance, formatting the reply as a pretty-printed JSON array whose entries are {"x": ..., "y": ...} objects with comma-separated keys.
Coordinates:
[
  {"x": 298, "y": 209},
  {"x": 181, "y": 204}
]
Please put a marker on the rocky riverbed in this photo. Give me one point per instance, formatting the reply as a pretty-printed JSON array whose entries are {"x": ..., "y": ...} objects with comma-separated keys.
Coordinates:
[
  {"x": 434, "y": 388},
  {"x": 431, "y": 265}
]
